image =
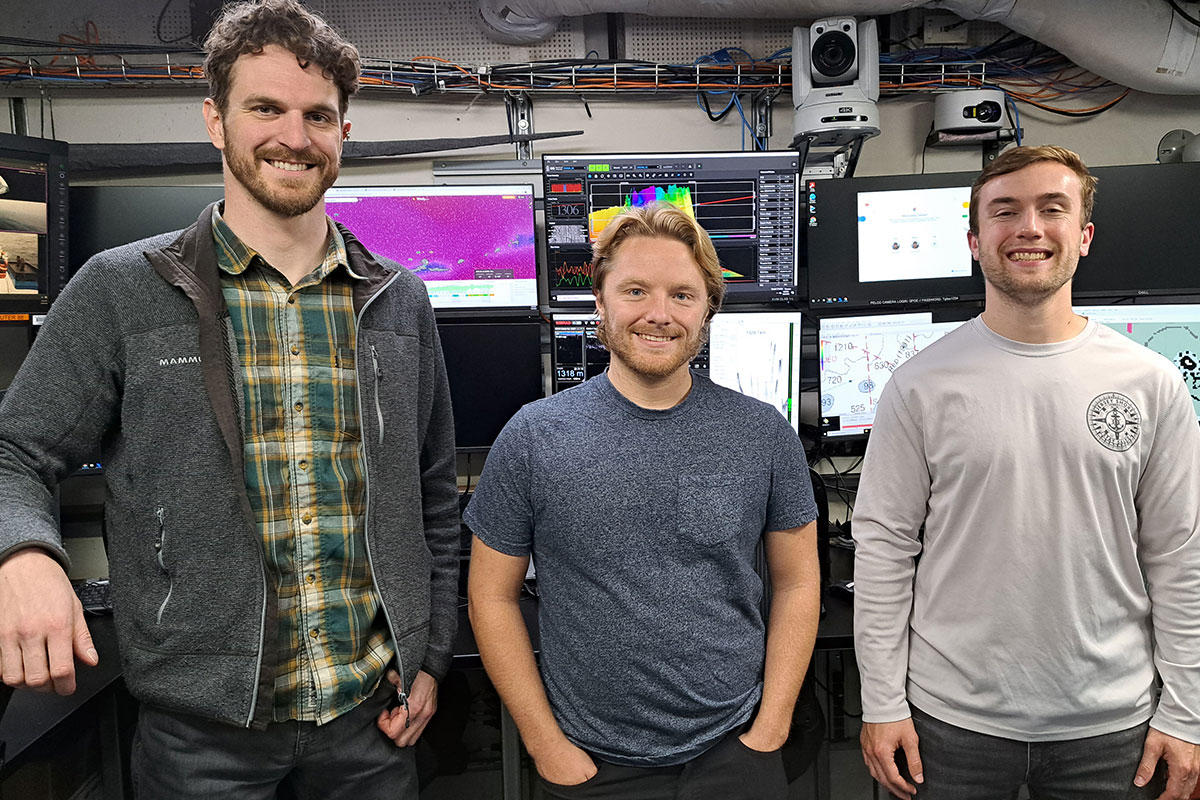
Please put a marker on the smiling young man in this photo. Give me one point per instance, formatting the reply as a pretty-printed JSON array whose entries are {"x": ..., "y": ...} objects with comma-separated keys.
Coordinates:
[
  {"x": 275, "y": 422},
  {"x": 642, "y": 495},
  {"x": 1052, "y": 465}
]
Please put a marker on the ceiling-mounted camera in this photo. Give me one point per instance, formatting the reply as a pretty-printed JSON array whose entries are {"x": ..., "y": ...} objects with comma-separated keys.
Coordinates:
[
  {"x": 969, "y": 111},
  {"x": 835, "y": 81}
]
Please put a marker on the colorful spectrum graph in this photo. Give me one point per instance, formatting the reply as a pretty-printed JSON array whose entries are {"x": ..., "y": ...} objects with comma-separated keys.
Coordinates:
[
  {"x": 679, "y": 196},
  {"x": 446, "y": 237}
]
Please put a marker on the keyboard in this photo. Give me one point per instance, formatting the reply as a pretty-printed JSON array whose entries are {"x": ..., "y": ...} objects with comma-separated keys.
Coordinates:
[{"x": 95, "y": 596}]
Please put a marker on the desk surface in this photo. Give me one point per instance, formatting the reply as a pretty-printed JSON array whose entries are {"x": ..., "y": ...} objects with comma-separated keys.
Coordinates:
[{"x": 31, "y": 715}]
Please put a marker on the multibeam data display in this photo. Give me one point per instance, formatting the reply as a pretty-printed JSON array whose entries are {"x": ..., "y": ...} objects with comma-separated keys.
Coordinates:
[
  {"x": 472, "y": 245},
  {"x": 758, "y": 354},
  {"x": 889, "y": 242},
  {"x": 747, "y": 202},
  {"x": 857, "y": 358},
  {"x": 1171, "y": 330}
]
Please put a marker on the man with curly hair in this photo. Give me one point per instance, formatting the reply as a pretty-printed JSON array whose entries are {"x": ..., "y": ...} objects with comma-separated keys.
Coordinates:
[{"x": 273, "y": 411}]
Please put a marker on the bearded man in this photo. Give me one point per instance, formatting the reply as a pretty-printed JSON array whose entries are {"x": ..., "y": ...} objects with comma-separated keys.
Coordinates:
[
  {"x": 642, "y": 495},
  {"x": 272, "y": 409}
]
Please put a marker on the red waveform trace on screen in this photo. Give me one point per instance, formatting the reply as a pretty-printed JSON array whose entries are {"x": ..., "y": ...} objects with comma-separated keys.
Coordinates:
[
  {"x": 573, "y": 275},
  {"x": 726, "y": 200}
]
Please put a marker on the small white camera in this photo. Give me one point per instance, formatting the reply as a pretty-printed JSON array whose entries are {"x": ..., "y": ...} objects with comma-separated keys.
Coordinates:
[{"x": 969, "y": 111}]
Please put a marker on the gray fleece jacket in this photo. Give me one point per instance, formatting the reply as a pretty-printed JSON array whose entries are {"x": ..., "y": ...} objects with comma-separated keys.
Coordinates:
[{"x": 138, "y": 354}]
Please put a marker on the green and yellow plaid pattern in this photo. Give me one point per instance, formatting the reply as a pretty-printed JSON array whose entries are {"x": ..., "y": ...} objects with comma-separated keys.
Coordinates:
[{"x": 304, "y": 474}]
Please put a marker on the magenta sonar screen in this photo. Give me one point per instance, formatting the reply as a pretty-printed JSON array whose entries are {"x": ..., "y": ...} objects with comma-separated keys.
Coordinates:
[{"x": 472, "y": 245}]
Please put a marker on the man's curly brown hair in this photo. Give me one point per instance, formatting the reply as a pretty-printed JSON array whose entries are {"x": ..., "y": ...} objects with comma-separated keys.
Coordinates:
[{"x": 248, "y": 27}]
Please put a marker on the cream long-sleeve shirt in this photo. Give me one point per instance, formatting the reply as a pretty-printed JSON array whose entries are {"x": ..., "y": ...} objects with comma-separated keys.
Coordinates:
[{"x": 1059, "y": 488}]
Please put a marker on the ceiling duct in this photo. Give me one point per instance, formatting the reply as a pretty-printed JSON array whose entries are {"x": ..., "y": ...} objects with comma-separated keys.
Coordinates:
[{"x": 1141, "y": 44}]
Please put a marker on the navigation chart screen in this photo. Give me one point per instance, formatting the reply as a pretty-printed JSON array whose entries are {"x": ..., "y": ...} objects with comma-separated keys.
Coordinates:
[
  {"x": 747, "y": 202},
  {"x": 857, "y": 358},
  {"x": 1171, "y": 330}
]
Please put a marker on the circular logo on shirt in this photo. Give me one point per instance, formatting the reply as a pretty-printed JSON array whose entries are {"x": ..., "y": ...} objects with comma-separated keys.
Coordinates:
[{"x": 1114, "y": 420}]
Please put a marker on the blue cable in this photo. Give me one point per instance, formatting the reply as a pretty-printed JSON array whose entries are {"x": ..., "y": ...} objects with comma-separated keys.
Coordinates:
[{"x": 747, "y": 126}]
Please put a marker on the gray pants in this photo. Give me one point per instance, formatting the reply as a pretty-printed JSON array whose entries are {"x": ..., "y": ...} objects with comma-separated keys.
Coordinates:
[
  {"x": 180, "y": 757},
  {"x": 964, "y": 765},
  {"x": 726, "y": 771}
]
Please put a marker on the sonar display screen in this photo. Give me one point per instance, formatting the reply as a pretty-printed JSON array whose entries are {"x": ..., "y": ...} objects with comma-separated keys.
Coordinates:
[
  {"x": 473, "y": 246},
  {"x": 747, "y": 202}
]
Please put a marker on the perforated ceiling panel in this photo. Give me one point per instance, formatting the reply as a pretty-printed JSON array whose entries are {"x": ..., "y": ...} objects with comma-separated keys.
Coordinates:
[
  {"x": 680, "y": 40},
  {"x": 443, "y": 28},
  {"x": 133, "y": 22},
  {"x": 980, "y": 32}
]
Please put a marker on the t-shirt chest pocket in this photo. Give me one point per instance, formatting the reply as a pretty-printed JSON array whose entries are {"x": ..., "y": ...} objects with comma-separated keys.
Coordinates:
[{"x": 714, "y": 509}]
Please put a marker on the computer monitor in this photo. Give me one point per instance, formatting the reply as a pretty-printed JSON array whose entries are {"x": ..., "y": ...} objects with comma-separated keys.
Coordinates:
[
  {"x": 103, "y": 217},
  {"x": 858, "y": 355},
  {"x": 758, "y": 354},
  {"x": 473, "y": 246},
  {"x": 493, "y": 369},
  {"x": 33, "y": 222},
  {"x": 748, "y": 203},
  {"x": 1172, "y": 330},
  {"x": 1146, "y": 237},
  {"x": 891, "y": 242},
  {"x": 16, "y": 337}
]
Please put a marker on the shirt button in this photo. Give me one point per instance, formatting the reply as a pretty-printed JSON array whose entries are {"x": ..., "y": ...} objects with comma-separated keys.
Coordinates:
[
  {"x": 295, "y": 350},
  {"x": 307, "y": 518},
  {"x": 292, "y": 300},
  {"x": 299, "y": 406},
  {"x": 303, "y": 464},
  {"x": 311, "y": 578},
  {"x": 313, "y": 633}
]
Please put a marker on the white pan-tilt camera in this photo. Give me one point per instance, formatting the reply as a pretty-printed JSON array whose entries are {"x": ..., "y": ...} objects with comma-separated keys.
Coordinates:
[{"x": 835, "y": 80}]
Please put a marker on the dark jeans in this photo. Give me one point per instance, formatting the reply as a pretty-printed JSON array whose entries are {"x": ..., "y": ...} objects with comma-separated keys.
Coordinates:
[
  {"x": 964, "y": 765},
  {"x": 726, "y": 771},
  {"x": 179, "y": 756}
]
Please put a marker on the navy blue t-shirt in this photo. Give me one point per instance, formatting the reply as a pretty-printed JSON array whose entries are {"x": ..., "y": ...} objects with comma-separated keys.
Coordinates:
[{"x": 643, "y": 525}]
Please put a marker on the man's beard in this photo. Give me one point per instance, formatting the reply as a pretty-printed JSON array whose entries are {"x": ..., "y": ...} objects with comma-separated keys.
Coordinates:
[
  {"x": 621, "y": 346},
  {"x": 1028, "y": 292},
  {"x": 287, "y": 202}
]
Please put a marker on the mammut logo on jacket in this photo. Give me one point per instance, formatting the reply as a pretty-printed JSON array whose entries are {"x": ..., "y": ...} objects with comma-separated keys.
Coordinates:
[{"x": 170, "y": 362}]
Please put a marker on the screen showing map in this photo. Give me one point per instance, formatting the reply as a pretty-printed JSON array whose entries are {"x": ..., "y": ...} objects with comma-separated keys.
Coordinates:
[
  {"x": 857, "y": 358},
  {"x": 1171, "y": 330}
]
